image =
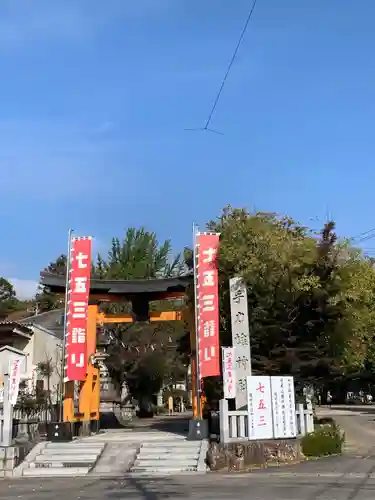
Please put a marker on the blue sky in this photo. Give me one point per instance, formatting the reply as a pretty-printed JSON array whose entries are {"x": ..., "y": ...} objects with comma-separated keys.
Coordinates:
[{"x": 96, "y": 96}]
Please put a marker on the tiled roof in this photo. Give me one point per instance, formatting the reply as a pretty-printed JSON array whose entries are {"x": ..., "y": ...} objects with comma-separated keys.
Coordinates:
[
  {"x": 52, "y": 321},
  {"x": 151, "y": 287},
  {"x": 15, "y": 324}
]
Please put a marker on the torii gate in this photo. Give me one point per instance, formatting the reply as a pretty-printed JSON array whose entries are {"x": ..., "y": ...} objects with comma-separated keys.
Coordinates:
[{"x": 139, "y": 293}]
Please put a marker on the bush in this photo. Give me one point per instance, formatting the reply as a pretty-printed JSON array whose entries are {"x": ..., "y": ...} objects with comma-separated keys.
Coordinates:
[
  {"x": 159, "y": 410},
  {"x": 325, "y": 440}
]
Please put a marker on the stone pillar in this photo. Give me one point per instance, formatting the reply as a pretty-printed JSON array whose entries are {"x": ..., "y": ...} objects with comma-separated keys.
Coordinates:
[
  {"x": 8, "y": 414},
  {"x": 124, "y": 392},
  {"x": 159, "y": 398}
]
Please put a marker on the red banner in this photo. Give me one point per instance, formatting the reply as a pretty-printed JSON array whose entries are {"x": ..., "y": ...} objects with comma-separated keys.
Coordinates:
[
  {"x": 79, "y": 289},
  {"x": 208, "y": 304}
]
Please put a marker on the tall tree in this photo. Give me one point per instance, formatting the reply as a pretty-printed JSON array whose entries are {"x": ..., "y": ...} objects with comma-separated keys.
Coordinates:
[
  {"x": 293, "y": 284},
  {"x": 145, "y": 356},
  {"x": 8, "y": 301},
  {"x": 45, "y": 299},
  {"x": 139, "y": 256}
]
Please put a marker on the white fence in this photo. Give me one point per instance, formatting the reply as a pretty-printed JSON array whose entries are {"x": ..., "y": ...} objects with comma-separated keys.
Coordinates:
[{"x": 234, "y": 425}]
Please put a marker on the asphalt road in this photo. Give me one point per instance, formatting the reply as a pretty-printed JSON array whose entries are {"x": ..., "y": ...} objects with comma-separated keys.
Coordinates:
[
  {"x": 358, "y": 423},
  {"x": 350, "y": 477},
  {"x": 336, "y": 478}
]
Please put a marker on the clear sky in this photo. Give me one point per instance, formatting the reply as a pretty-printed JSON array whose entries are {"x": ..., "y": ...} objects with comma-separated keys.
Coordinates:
[{"x": 95, "y": 97}]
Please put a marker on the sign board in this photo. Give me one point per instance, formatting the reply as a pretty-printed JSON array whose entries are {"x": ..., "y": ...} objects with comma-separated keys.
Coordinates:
[
  {"x": 259, "y": 407},
  {"x": 283, "y": 407},
  {"x": 240, "y": 338},
  {"x": 229, "y": 378},
  {"x": 207, "y": 296},
  {"x": 76, "y": 326},
  {"x": 14, "y": 380}
]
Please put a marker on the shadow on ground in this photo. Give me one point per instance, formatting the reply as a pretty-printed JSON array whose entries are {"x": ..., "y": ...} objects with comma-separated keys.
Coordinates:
[
  {"x": 176, "y": 424},
  {"x": 108, "y": 420}
]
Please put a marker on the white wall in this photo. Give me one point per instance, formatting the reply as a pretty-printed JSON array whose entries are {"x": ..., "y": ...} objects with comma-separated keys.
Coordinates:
[
  {"x": 46, "y": 347},
  {"x": 42, "y": 346},
  {"x": 9, "y": 355}
]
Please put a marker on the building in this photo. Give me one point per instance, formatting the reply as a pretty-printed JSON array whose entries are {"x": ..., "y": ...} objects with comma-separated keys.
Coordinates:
[{"x": 37, "y": 338}]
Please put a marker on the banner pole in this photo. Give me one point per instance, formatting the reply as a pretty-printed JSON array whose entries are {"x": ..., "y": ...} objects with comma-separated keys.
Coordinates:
[
  {"x": 67, "y": 276},
  {"x": 196, "y": 311}
]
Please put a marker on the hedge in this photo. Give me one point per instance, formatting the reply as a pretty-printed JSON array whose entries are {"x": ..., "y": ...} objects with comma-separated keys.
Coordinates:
[{"x": 325, "y": 440}]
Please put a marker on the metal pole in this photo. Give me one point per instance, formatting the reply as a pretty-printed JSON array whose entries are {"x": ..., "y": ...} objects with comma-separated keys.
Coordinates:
[
  {"x": 67, "y": 276},
  {"x": 196, "y": 310}
]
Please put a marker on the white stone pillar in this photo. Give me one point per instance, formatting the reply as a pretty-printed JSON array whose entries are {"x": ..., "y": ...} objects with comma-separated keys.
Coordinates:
[{"x": 8, "y": 414}]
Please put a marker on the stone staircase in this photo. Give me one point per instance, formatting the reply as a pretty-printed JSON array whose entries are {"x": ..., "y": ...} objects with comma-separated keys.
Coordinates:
[
  {"x": 76, "y": 458},
  {"x": 115, "y": 454},
  {"x": 172, "y": 454}
]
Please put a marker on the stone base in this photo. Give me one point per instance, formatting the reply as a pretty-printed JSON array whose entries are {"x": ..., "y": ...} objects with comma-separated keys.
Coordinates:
[
  {"x": 246, "y": 455},
  {"x": 11, "y": 456},
  {"x": 198, "y": 429}
]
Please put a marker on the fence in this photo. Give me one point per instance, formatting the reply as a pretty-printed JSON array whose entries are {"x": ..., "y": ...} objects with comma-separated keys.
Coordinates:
[
  {"x": 234, "y": 425},
  {"x": 27, "y": 422}
]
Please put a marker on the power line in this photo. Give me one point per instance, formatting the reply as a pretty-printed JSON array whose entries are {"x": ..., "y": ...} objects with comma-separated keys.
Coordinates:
[
  {"x": 208, "y": 121},
  {"x": 365, "y": 235},
  {"x": 367, "y": 238}
]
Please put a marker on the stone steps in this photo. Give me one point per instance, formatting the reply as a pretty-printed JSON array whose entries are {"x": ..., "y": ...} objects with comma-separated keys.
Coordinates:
[
  {"x": 116, "y": 454},
  {"x": 56, "y": 471},
  {"x": 167, "y": 456},
  {"x": 73, "y": 444},
  {"x": 68, "y": 459},
  {"x": 63, "y": 459},
  {"x": 162, "y": 471},
  {"x": 185, "y": 464},
  {"x": 174, "y": 456},
  {"x": 73, "y": 451}
]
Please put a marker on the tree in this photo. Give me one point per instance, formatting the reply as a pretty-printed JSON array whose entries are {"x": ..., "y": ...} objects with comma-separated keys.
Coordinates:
[
  {"x": 358, "y": 294},
  {"x": 8, "y": 300},
  {"x": 143, "y": 355},
  {"x": 293, "y": 284},
  {"x": 45, "y": 299},
  {"x": 139, "y": 256}
]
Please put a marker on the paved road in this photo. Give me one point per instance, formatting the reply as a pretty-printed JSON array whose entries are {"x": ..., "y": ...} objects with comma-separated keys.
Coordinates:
[
  {"x": 343, "y": 478},
  {"x": 351, "y": 477},
  {"x": 358, "y": 423}
]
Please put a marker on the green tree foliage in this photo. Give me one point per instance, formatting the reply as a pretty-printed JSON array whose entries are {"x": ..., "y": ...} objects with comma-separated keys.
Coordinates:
[
  {"x": 298, "y": 313},
  {"x": 8, "y": 300},
  {"x": 311, "y": 301},
  {"x": 45, "y": 299},
  {"x": 358, "y": 293},
  {"x": 150, "y": 357},
  {"x": 139, "y": 256}
]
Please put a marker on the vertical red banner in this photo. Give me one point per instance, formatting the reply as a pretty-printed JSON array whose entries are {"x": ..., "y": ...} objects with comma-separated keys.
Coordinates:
[
  {"x": 79, "y": 290},
  {"x": 207, "y": 294}
]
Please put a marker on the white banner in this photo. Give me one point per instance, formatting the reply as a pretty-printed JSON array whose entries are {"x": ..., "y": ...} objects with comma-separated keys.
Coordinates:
[
  {"x": 283, "y": 407},
  {"x": 259, "y": 407},
  {"x": 14, "y": 380},
  {"x": 229, "y": 375}
]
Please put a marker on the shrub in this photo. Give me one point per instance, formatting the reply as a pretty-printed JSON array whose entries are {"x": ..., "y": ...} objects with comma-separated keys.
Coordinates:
[
  {"x": 325, "y": 440},
  {"x": 159, "y": 410}
]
